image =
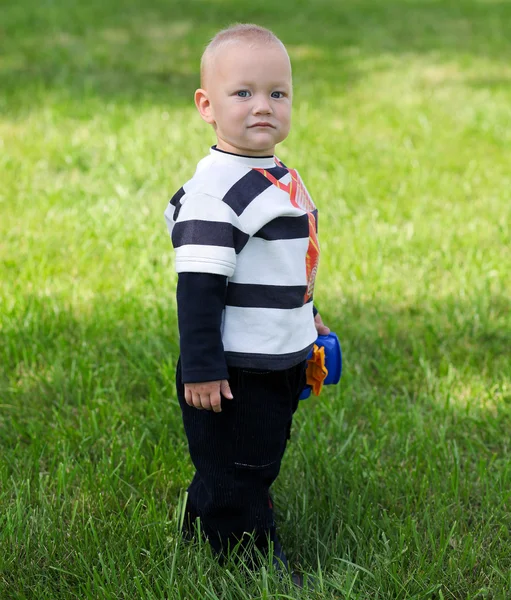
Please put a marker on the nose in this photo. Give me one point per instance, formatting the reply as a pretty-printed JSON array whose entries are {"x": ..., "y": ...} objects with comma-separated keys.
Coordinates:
[{"x": 262, "y": 105}]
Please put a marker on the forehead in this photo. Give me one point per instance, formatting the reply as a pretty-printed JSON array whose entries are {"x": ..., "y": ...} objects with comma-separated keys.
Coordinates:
[{"x": 249, "y": 61}]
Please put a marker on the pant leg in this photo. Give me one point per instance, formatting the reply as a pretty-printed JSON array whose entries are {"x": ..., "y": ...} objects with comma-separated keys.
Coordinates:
[{"x": 237, "y": 453}]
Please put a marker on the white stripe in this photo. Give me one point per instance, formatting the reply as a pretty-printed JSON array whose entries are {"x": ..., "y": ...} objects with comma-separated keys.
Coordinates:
[
  {"x": 268, "y": 330},
  {"x": 206, "y": 208},
  {"x": 205, "y": 259},
  {"x": 272, "y": 262}
]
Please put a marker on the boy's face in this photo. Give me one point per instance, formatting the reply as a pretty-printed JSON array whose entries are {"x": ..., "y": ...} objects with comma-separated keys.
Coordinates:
[{"x": 247, "y": 97}]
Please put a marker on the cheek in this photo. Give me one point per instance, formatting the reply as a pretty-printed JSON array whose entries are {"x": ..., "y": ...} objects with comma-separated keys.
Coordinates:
[
  {"x": 285, "y": 118},
  {"x": 233, "y": 114}
]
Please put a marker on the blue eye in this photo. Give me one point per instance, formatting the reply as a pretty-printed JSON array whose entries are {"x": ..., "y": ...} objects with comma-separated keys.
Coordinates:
[
  {"x": 277, "y": 94},
  {"x": 243, "y": 93}
]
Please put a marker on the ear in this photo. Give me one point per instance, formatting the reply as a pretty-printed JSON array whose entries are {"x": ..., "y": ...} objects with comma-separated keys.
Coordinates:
[{"x": 204, "y": 107}]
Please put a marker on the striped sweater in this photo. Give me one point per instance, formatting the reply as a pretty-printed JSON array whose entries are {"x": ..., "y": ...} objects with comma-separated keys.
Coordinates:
[{"x": 244, "y": 231}]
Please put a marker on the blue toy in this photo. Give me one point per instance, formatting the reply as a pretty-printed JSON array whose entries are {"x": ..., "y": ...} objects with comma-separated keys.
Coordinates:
[{"x": 324, "y": 366}]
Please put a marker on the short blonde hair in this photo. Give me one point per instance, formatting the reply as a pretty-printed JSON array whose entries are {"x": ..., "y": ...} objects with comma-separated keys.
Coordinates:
[{"x": 239, "y": 32}]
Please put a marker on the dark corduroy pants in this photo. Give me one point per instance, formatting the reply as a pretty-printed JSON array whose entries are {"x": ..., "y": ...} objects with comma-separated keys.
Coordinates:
[{"x": 237, "y": 453}]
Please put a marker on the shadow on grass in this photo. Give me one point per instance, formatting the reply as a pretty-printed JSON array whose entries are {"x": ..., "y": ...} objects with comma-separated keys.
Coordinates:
[
  {"x": 384, "y": 470},
  {"x": 123, "y": 353},
  {"x": 71, "y": 380},
  {"x": 148, "y": 53}
]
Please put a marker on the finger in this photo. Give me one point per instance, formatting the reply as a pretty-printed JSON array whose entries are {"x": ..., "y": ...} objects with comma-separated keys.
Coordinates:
[
  {"x": 205, "y": 401},
  {"x": 321, "y": 328},
  {"x": 216, "y": 402},
  {"x": 188, "y": 396},
  {"x": 225, "y": 389},
  {"x": 196, "y": 400}
]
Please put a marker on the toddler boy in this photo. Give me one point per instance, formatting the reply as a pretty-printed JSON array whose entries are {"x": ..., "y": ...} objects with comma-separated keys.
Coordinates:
[{"x": 244, "y": 229}]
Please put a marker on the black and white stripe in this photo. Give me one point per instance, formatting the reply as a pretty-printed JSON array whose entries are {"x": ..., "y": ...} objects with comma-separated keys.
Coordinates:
[
  {"x": 231, "y": 220},
  {"x": 285, "y": 228},
  {"x": 208, "y": 233},
  {"x": 251, "y": 295}
]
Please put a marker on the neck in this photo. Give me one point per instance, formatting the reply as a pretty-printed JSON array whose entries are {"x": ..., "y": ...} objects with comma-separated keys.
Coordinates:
[{"x": 226, "y": 147}]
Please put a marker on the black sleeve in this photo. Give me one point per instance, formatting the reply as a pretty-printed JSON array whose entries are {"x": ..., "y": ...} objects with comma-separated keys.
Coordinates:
[
  {"x": 200, "y": 304},
  {"x": 314, "y": 310}
]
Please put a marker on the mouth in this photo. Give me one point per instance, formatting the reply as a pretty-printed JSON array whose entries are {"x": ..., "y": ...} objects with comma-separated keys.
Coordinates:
[{"x": 262, "y": 124}]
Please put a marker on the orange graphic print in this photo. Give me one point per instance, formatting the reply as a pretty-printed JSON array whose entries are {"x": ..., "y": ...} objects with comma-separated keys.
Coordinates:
[{"x": 300, "y": 198}]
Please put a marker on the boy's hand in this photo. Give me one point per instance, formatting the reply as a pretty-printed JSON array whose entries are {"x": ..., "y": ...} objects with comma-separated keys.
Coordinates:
[
  {"x": 208, "y": 394},
  {"x": 321, "y": 328}
]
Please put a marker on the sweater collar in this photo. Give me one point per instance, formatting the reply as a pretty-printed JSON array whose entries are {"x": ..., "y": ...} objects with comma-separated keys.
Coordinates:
[{"x": 251, "y": 162}]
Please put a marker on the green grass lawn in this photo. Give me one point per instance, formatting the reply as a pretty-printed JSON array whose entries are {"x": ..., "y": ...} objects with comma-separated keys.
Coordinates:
[{"x": 398, "y": 482}]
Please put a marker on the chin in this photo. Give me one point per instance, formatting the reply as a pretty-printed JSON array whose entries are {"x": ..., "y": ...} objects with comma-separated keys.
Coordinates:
[
  {"x": 267, "y": 148},
  {"x": 262, "y": 143}
]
